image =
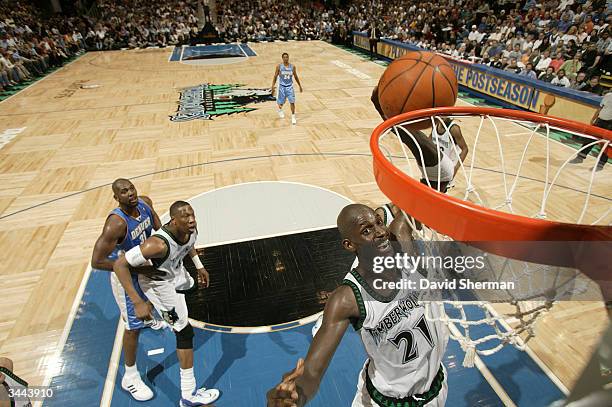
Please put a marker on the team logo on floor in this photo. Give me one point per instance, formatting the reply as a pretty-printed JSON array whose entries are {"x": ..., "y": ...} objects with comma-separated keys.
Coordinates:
[{"x": 207, "y": 101}]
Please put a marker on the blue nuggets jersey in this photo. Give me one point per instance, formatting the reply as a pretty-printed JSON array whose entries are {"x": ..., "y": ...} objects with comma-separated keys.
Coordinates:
[
  {"x": 138, "y": 229},
  {"x": 286, "y": 75}
]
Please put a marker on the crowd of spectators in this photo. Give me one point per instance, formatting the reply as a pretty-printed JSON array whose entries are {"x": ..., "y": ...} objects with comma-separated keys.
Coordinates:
[
  {"x": 31, "y": 45},
  {"x": 564, "y": 42}
]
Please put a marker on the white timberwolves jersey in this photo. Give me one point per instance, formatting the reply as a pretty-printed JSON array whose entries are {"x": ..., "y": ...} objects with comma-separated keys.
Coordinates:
[
  {"x": 172, "y": 264},
  {"x": 445, "y": 142},
  {"x": 405, "y": 350}
]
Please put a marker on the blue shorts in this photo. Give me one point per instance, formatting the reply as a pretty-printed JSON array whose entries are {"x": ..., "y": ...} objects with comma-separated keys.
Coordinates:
[
  {"x": 126, "y": 306},
  {"x": 285, "y": 92}
]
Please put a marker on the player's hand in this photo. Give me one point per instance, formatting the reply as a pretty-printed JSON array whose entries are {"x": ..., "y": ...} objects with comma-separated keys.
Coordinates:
[
  {"x": 285, "y": 393},
  {"x": 143, "y": 310},
  {"x": 203, "y": 278}
]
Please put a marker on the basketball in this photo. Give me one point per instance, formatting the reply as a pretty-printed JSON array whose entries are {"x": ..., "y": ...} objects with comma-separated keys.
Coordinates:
[{"x": 417, "y": 80}]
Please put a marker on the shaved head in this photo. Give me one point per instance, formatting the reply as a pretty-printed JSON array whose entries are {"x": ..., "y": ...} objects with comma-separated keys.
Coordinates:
[
  {"x": 118, "y": 183},
  {"x": 175, "y": 207},
  {"x": 349, "y": 218}
]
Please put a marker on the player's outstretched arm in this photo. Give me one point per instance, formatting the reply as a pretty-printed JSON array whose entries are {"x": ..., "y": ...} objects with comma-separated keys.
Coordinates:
[
  {"x": 300, "y": 385},
  {"x": 152, "y": 248},
  {"x": 156, "y": 221},
  {"x": 460, "y": 142}
]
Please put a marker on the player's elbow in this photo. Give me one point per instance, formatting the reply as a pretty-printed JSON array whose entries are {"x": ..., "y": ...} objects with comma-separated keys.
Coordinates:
[{"x": 96, "y": 262}]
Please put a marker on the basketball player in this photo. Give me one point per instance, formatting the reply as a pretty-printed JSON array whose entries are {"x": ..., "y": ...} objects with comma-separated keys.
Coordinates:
[
  {"x": 165, "y": 250},
  {"x": 453, "y": 149},
  {"x": 404, "y": 349},
  {"x": 128, "y": 225},
  {"x": 387, "y": 213},
  {"x": 11, "y": 386},
  {"x": 287, "y": 72}
]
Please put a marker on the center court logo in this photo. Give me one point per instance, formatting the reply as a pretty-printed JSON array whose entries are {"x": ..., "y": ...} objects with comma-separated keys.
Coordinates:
[{"x": 207, "y": 101}]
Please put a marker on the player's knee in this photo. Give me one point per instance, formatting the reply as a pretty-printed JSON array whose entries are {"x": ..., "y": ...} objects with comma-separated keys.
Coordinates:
[
  {"x": 184, "y": 337},
  {"x": 6, "y": 363}
]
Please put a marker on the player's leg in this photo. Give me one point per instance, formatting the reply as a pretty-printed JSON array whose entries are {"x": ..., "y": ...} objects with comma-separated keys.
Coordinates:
[
  {"x": 131, "y": 381},
  {"x": 291, "y": 98},
  {"x": 421, "y": 144},
  {"x": 280, "y": 101},
  {"x": 173, "y": 308}
]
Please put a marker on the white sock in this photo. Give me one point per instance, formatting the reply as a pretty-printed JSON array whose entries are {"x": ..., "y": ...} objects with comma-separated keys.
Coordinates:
[
  {"x": 293, "y": 115},
  {"x": 188, "y": 383},
  {"x": 131, "y": 371}
]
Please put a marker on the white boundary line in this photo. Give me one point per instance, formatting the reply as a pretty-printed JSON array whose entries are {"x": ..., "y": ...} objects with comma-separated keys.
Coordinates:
[
  {"x": 113, "y": 366},
  {"x": 172, "y": 53},
  {"x": 51, "y": 370},
  {"x": 254, "y": 329},
  {"x": 44, "y": 77}
]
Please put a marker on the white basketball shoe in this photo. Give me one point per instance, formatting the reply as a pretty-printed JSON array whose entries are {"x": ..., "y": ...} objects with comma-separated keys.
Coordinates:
[
  {"x": 137, "y": 388},
  {"x": 201, "y": 397}
]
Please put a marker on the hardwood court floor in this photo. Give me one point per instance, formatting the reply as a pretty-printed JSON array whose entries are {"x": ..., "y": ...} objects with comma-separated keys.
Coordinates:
[{"x": 74, "y": 146}]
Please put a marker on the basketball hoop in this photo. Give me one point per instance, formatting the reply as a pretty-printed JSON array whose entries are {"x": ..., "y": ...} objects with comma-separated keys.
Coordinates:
[{"x": 507, "y": 196}]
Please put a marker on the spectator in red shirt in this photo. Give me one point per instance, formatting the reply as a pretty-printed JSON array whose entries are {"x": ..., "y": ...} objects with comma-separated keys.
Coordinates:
[{"x": 557, "y": 62}]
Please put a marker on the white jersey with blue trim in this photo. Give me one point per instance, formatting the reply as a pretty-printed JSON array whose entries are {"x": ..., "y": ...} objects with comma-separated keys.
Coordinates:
[
  {"x": 445, "y": 142},
  {"x": 172, "y": 263}
]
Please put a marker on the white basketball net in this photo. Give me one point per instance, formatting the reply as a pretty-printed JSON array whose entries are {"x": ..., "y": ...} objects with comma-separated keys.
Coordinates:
[{"x": 522, "y": 168}]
